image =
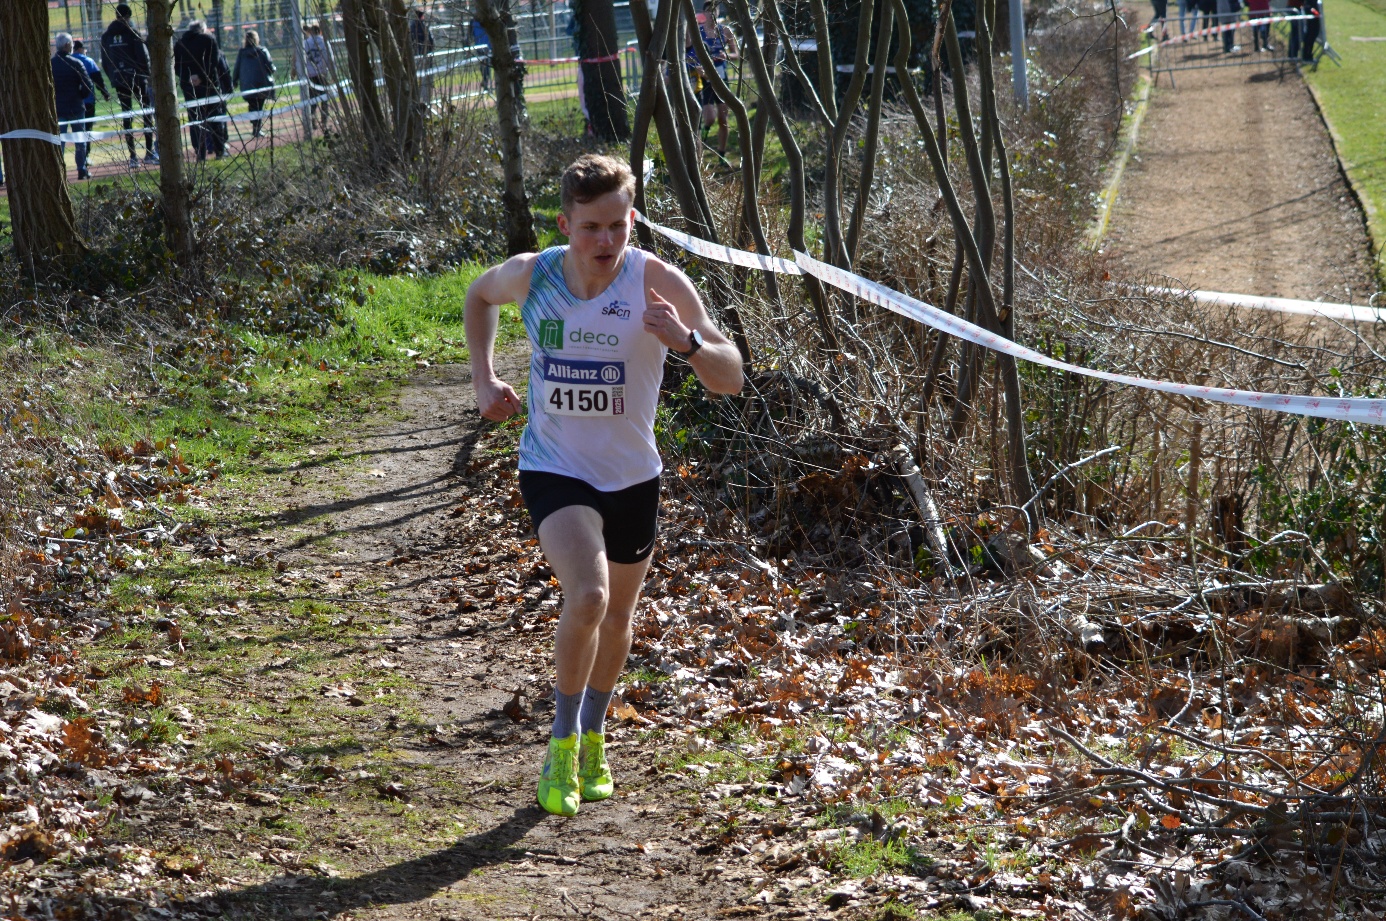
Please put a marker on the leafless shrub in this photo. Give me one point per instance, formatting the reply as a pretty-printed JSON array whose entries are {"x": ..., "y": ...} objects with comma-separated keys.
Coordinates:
[{"x": 1203, "y": 589}]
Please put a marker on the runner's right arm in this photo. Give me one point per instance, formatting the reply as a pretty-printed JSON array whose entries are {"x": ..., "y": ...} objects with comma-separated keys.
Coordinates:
[{"x": 507, "y": 283}]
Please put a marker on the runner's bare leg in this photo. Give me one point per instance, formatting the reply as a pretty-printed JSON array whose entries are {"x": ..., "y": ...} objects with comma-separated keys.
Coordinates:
[
  {"x": 613, "y": 645},
  {"x": 572, "y": 542},
  {"x": 599, "y": 598}
]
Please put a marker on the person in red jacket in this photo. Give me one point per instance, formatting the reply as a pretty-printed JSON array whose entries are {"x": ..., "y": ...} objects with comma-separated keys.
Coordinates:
[{"x": 1260, "y": 35}]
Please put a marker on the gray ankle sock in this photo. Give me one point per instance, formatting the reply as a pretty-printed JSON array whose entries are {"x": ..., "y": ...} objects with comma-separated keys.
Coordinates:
[
  {"x": 565, "y": 713},
  {"x": 594, "y": 704}
]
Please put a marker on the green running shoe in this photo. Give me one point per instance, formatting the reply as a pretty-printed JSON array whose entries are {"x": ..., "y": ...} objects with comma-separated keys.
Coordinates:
[
  {"x": 594, "y": 774},
  {"x": 559, "y": 790}
]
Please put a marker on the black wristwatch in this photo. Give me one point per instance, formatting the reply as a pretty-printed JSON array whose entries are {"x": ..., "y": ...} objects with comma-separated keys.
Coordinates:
[{"x": 695, "y": 342}]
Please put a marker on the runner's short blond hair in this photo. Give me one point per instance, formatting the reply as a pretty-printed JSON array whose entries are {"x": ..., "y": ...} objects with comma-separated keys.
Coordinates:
[{"x": 591, "y": 176}]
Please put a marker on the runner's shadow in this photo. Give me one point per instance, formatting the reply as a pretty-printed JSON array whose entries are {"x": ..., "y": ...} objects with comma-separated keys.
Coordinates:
[
  {"x": 328, "y": 459},
  {"x": 405, "y": 883},
  {"x": 440, "y": 485}
]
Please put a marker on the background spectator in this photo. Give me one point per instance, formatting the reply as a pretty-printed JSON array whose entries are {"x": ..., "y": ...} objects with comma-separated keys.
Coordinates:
[
  {"x": 70, "y": 88},
  {"x": 420, "y": 35},
  {"x": 1260, "y": 35},
  {"x": 126, "y": 61},
  {"x": 721, "y": 46},
  {"x": 98, "y": 83},
  {"x": 1229, "y": 11},
  {"x": 1189, "y": 9},
  {"x": 1209, "y": 10},
  {"x": 1161, "y": 14},
  {"x": 203, "y": 74},
  {"x": 483, "y": 41},
  {"x": 318, "y": 67},
  {"x": 254, "y": 71},
  {"x": 1304, "y": 33},
  {"x": 421, "y": 38}
]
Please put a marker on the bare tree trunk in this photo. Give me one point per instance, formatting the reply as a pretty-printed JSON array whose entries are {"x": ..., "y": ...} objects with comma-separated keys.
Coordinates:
[
  {"x": 217, "y": 21},
  {"x": 834, "y": 246},
  {"x": 391, "y": 25},
  {"x": 827, "y": 75},
  {"x": 762, "y": 122},
  {"x": 650, "y": 52},
  {"x": 873, "y": 130},
  {"x": 751, "y": 48},
  {"x": 361, "y": 67},
  {"x": 976, "y": 243},
  {"x": 41, "y": 211},
  {"x": 494, "y": 16},
  {"x": 750, "y": 184},
  {"x": 656, "y": 99},
  {"x": 173, "y": 188},
  {"x": 601, "y": 69}
]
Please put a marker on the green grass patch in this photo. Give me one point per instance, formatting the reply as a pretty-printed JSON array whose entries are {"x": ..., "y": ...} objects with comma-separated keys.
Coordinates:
[
  {"x": 1353, "y": 98},
  {"x": 267, "y": 406},
  {"x": 720, "y": 765},
  {"x": 866, "y": 856}
]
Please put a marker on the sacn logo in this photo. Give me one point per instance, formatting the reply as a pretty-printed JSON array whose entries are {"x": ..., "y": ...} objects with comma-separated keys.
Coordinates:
[{"x": 551, "y": 334}]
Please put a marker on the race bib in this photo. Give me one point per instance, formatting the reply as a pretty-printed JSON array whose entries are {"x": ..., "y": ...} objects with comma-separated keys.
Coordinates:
[{"x": 584, "y": 388}]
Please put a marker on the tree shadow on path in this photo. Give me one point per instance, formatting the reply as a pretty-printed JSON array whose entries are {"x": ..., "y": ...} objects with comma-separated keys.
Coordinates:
[{"x": 405, "y": 883}]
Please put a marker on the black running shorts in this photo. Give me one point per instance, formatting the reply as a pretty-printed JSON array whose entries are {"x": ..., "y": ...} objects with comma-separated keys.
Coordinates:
[{"x": 630, "y": 516}]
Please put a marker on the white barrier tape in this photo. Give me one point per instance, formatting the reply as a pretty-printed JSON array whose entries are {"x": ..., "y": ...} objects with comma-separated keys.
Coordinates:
[
  {"x": 89, "y": 137},
  {"x": 70, "y": 137},
  {"x": 1346, "y": 409},
  {"x": 1216, "y": 30},
  {"x": 723, "y": 253},
  {"x": 1286, "y": 305}
]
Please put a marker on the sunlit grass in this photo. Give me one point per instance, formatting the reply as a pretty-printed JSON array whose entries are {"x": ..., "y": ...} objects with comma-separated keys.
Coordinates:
[{"x": 1354, "y": 101}]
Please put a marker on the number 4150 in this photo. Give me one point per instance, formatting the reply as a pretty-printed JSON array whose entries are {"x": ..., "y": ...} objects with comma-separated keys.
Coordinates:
[{"x": 583, "y": 401}]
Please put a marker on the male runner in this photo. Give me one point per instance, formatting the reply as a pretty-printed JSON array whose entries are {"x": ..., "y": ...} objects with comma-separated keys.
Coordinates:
[{"x": 601, "y": 316}]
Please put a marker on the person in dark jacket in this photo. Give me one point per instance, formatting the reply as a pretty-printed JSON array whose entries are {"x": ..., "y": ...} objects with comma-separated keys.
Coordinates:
[
  {"x": 421, "y": 39},
  {"x": 98, "y": 83},
  {"x": 420, "y": 35},
  {"x": 125, "y": 59},
  {"x": 1305, "y": 32},
  {"x": 203, "y": 74},
  {"x": 70, "y": 88},
  {"x": 254, "y": 71}
]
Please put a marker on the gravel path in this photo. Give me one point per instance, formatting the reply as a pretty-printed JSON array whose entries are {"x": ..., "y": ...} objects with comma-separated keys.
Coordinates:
[{"x": 1234, "y": 186}]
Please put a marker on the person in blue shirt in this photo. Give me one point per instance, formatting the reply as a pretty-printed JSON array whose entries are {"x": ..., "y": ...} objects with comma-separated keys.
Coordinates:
[
  {"x": 97, "y": 80},
  {"x": 71, "y": 85},
  {"x": 479, "y": 39}
]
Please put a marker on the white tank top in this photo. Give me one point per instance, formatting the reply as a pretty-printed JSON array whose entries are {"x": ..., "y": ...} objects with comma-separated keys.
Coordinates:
[{"x": 594, "y": 378}]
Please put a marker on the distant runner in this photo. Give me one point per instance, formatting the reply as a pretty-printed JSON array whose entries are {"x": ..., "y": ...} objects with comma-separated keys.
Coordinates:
[{"x": 601, "y": 317}]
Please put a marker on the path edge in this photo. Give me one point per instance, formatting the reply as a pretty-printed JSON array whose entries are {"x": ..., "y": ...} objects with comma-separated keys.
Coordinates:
[
  {"x": 1376, "y": 241},
  {"x": 1130, "y": 129}
]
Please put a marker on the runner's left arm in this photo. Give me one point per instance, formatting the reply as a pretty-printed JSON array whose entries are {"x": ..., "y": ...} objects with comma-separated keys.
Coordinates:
[{"x": 672, "y": 310}]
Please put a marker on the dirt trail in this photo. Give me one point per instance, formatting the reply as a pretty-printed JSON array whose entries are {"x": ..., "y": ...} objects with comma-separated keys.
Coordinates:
[
  {"x": 406, "y": 519},
  {"x": 1234, "y": 186}
]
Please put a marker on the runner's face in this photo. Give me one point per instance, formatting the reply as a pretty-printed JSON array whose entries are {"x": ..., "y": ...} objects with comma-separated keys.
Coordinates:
[{"x": 598, "y": 231}]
